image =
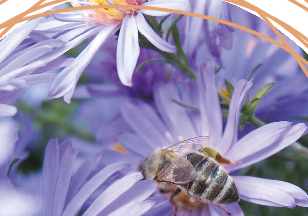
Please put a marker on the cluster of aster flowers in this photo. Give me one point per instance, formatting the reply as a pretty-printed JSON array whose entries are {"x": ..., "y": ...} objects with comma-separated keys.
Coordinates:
[{"x": 134, "y": 81}]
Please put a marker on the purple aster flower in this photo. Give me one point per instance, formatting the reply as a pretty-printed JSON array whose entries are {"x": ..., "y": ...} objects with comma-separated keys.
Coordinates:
[
  {"x": 103, "y": 23},
  {"x": 22, "y": 64},
  {"x": 171, "y": 123},
  {"x": 70, "y": 186}
]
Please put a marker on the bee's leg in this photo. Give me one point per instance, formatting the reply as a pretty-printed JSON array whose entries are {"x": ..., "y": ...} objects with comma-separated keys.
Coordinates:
[
  {"x": 222, "y": 208},
  {"x": 174, "y": 194}
]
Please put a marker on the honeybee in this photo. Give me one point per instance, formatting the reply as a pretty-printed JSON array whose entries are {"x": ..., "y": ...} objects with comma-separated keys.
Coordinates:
[{"x": 194, "y": 170}]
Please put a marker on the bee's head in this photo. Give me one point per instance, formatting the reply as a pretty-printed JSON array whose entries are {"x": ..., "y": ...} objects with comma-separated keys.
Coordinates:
[{"x": 154, "y": 163}]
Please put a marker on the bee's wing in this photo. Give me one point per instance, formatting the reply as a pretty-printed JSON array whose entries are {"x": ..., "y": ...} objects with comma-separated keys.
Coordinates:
[
  {"x": 179, "y": 171},
  {"x": 192, "y": 144}
]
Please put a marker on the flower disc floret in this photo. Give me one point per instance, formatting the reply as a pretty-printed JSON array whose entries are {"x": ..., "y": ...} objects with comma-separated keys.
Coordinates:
[{"x": 107, "y": 16}]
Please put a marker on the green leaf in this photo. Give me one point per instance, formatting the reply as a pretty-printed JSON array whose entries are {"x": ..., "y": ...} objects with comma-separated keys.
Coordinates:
[
  {"x": 184, "y": 105},
  {"x": 139, "y": 68},
  {"x": 230, "y": 88},
  {"x": 172, "y": 25},
  {"x": 153, "y": 23},
  {"x": 257, "y": 97},
  {"x": 253, "y": 71}
]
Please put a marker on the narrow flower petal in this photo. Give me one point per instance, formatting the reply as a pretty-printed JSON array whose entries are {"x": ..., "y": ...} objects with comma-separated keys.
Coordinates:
[
  {"x": 12, "y": 40},
  {"x": 84, "y": 193},
  {"x": 135, "y": 144},
  {"x": 128, "y": 50},
  {"x": 50, "y": 173},
  {"x": 82, "y": 174},
  {"x": 255, "y": 190},
  {"x": 39, "y": 78},
  {"x": 7, "y": 110},
  {"x": 63, "y": 178},
  {"x": 68, "y": 78},
  {"x": 133, "y": 209},
  {"x": 276, "y": 136},
  {"x": 174, "y": 115},
  {"x": 211, "y": 118},
  {"x": 170, "y": 4},
  {"x": 230, "y": 134},
  {"x": 152, "y": 36},
  {"x": 112, "y": 193},
  {"x": 152, "y": 130},
  {"x": 136, "y": 194},
  {"x": 233, "y": 209}
]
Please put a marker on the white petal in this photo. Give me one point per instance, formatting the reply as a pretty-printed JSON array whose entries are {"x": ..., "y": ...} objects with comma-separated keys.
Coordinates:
[
  {"x": 128, "y": 50},
  {"x": 151, "y": 35},
  {"x": 68, "y": 78},
  {"x": 7, "y": 110}
]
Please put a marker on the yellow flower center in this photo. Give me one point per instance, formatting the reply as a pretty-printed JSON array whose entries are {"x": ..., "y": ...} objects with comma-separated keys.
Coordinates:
[{"x": 107, "y": 15}]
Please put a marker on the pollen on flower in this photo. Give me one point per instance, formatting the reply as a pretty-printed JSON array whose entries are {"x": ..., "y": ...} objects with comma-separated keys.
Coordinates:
[
  {"x": 107, "y": 16},
  {"x": 224, "y": 92}
]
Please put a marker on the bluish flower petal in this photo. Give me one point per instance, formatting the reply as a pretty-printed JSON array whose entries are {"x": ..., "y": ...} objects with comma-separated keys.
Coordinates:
[
  {"x": 63, "y": 179},
  {"x": 256, "y": 190},
  {"x": 230, "y": 134},
  {"x": 68, "y": 78},
  {"x": 39, "y": 78},
  {"x": 136, "y": 194},
  {"x": 146, "y": 123},
  {"x": 11, "y": 41},
  {"x": 128, "y": 50},
  {"x": 170, "y": 4},
  {"x": 81, "y": 175},
  {"x": 135, "y": 144},
  {"x": 9, "y": 136},
  {"x": 211, "y": 118},
  {"x": 267, "y": 141},
  {"x": 234, "y": 209},
  {"x": 89, "y": 187},
  {"x": 152, "y": 36},
  {"x": 174, "y": 115},
  {"x": 112, "y": 193},
  {"x": 193, "y": 27},
  {"x": 133, "y": 209},
  {"x": 50, "y": 173}
]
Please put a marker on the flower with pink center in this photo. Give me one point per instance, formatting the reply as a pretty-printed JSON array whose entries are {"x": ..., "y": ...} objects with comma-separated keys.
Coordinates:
[{"x": 75, "y": 27}]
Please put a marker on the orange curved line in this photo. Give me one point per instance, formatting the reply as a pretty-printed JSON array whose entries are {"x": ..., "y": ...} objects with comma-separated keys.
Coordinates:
[
  {"x": 266, "y": 16},
  {"x": 23, "y": 16}
]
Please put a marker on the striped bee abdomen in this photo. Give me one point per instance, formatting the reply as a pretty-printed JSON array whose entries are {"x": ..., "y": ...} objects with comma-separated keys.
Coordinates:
[{"x": 212, "y": 182}]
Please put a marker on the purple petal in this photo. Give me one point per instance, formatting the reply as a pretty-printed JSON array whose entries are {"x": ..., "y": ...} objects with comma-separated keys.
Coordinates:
[
  {"x": 262, "y": 192},
  {"x": 7, "y": 110},
  {"x": 68, "y": 78},
  {"x": 62, "y": 17},
  {"x": 11, "y": 41},
  {"x": 63, "y": 179},
  {"x": 135, "y": 144},
  {"x": 39, "y": 78},
  {"x": 174, "y": 115},
  {"x": 230, "y": 134},
  {"x": 170, "y": 4},
  {"x": 50, "y": 173},
  {"x": 133, "y": 208},
  {"x": 146, "y": 123},
  {"x": 25, "y": 58},
  {"x": 193, "y": 28},
  {"x": 112, "y": 193},
  {"x": 9, "y": 136},
  {"x": 57, "y": 63},
  {"x": 69, "y": 45},
  {"x": 84, "y": 193},
  {"x": 128, "y": 50},
  {"x": 75, "y": 32},
  {"x": 138, "y": 193},
  {"x": 81, "y": 174},
  {"x": 265, "y": 141},
  {"x": 106, "y": 90},
  {"x": 211, "y": 118},
  {"x": 151, "y": 35},
  {"x": 234, "y": 209}
]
